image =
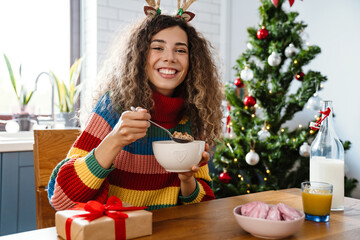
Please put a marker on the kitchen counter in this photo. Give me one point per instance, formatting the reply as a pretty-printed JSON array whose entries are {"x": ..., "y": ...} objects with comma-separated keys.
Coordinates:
[{"x": 16, "y": 142}]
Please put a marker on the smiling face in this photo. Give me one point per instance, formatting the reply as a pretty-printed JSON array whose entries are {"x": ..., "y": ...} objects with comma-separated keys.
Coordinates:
[{"x": 168, "y": 60}]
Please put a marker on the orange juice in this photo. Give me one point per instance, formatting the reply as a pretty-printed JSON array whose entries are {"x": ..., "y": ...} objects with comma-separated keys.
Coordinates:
[{"x": 318, "y": 204}]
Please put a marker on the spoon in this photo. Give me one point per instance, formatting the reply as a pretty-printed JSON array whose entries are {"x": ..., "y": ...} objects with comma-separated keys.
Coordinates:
[{"x": 175, "y": 139}]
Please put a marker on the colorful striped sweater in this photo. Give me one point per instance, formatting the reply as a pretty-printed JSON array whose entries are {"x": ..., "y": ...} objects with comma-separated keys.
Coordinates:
[{"x": 135, "y": 176}]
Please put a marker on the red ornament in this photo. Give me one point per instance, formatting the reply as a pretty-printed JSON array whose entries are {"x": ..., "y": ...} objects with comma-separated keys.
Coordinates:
[
  {"x": 275, "y": 2},
  {"x": 300, "y": 76},
  {"x": 249, "y": 101},
  {"x": 262, "y": 33},
  {"x": 238, "y": 83},
  {"x": 224, "y": 177}
]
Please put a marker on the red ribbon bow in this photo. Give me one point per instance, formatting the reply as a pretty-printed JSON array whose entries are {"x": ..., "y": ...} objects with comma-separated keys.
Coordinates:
[
  {"x": 315, "y": 126},
  {"x": 113, "y": 209}
]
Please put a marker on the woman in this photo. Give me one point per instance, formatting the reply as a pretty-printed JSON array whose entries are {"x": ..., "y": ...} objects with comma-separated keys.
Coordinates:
[{"x": 165, "y": 69}]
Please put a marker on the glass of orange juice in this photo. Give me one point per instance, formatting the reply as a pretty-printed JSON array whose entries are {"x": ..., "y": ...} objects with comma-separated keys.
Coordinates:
[{"x": 316, "y": 198}]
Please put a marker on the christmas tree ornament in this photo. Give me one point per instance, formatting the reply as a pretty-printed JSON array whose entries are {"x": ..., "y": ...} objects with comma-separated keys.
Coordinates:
[
  {"x": 314, "y": 102},
  {"x": 247, "y": 74},
  {"x": 263, "y": 134},
  {"x": 274, "y": 59},
  {"x": 249, "y": 46},
  {"x": 252, "y": 158},
  {"x": 304, "y": 150},
  {"x": 238, "y": 83},
  {"x": 300, "y": 76},
  {"x": 276, "y": 2},
  {"x": 224, "y": 177},
  {"x": 262, "y": 33},
  {"x": 249, "y": 101},
  {"x": 290, "y": 51}
]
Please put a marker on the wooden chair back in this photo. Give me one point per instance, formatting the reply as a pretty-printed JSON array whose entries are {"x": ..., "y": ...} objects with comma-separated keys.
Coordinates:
[{"x": 50, "y": 147}]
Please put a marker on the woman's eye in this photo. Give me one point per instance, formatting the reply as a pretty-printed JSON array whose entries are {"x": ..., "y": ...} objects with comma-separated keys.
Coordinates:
[
  {"x": 157, "y": 48},
  {"x": 181, "y": 51}
]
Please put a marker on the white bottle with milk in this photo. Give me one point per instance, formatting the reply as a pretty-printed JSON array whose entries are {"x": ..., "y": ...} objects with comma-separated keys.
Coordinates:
[{"x": 327, "y": 157}]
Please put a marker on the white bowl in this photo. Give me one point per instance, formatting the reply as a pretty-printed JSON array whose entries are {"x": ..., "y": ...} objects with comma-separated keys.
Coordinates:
[
  {"x": 178, "y": 157},
  {"x": 269, "y": 229}
]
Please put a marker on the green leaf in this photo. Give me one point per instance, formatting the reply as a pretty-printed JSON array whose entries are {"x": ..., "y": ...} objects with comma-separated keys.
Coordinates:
[
  {"x": 68, "y": 92},
  {"x": 75, "y": 71},
  {"x": 28, "y": 97},
  {"x": 11, "y": 74}
]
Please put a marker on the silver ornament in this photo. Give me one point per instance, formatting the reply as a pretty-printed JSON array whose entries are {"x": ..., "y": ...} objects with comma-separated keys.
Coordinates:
[
  {"x": 247, "y": 74},
  {"x": 274, "y": 59},
  {"x": 263, "y": 134},
  {"x": 290, "y": 51},
  {"x": 304, "y": 150},
  {"x": 252, "y": 158},
  {"x": 314, "y": 102}
]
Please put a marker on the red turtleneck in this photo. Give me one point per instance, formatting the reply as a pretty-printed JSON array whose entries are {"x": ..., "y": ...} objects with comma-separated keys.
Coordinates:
[{"x": 167, "y": 110}]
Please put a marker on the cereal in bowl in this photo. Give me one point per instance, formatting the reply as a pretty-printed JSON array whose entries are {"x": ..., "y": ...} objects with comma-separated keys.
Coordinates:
[{"x": 184, "y": 136}]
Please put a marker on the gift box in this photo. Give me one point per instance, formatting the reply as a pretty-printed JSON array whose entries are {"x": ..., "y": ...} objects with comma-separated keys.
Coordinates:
[{"x": 104, "y": 222}]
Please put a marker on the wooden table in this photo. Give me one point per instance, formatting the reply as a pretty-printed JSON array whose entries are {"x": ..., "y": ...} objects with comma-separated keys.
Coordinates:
[{"x": 215, "y": 220}]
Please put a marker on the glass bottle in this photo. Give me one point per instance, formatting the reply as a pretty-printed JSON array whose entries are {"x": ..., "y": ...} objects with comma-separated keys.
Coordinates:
[{"x": 327, "y": 158}]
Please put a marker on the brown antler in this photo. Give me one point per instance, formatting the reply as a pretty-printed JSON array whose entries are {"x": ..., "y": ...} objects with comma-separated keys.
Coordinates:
[
  {"x": 185, "y": 4},
  {"x": 152, "y": 3},
  {"x": 153, "y": 9}
]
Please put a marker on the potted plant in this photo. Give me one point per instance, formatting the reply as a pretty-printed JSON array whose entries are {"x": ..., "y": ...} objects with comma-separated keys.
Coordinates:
[
  {"x": 68, "y": 93},
  {"x": 22, "y": 116}
]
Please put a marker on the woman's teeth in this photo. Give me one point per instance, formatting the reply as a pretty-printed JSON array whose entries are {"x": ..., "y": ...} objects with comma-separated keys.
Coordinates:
[{"x": 167, "y": 71}]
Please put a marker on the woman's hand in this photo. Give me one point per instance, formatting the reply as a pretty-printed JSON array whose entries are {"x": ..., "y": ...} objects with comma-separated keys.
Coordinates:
[
  {"x": 187, "y": 180},
  {"x": 131, "y": 126}
]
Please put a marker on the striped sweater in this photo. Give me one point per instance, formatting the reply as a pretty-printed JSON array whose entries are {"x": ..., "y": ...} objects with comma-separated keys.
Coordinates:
[{"x": 135, "y": 176}]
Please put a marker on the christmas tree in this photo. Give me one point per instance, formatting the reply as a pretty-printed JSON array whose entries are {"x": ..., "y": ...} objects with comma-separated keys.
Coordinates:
[{"x": 258, "y": 153}]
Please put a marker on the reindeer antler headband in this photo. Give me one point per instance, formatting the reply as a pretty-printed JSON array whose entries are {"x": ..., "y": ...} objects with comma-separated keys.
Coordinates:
[{"x": 154, "y": 9}]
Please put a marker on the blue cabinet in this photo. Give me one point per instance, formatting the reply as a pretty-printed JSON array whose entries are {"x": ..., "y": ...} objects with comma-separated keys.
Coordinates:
[{"x": 17, "y": 192}]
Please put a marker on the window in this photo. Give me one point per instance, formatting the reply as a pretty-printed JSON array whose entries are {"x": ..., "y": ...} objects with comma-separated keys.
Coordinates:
[{"x": 35, "y": 34}]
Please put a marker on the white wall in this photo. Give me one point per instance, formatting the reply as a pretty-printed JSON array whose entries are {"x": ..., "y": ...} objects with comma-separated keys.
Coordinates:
[
  {"x": 332, "y": 25},
  {"x": 103, "y": 18}
]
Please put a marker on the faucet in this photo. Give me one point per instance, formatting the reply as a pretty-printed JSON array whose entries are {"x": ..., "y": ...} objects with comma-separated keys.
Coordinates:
[{"x": 52, "y": 81}]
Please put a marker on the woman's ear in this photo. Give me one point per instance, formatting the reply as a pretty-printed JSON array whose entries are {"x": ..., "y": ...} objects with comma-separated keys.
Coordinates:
[
  {"x": 187, "y": 16},
  {"x": 149, "y": 11}
]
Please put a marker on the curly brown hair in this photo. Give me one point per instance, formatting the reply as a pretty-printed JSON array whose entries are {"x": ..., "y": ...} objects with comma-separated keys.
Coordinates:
[{"x": 123, "y": 75}]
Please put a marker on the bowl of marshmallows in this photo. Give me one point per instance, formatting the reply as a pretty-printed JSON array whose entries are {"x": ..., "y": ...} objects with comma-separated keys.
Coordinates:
[{"x": 269, "y": 221}]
